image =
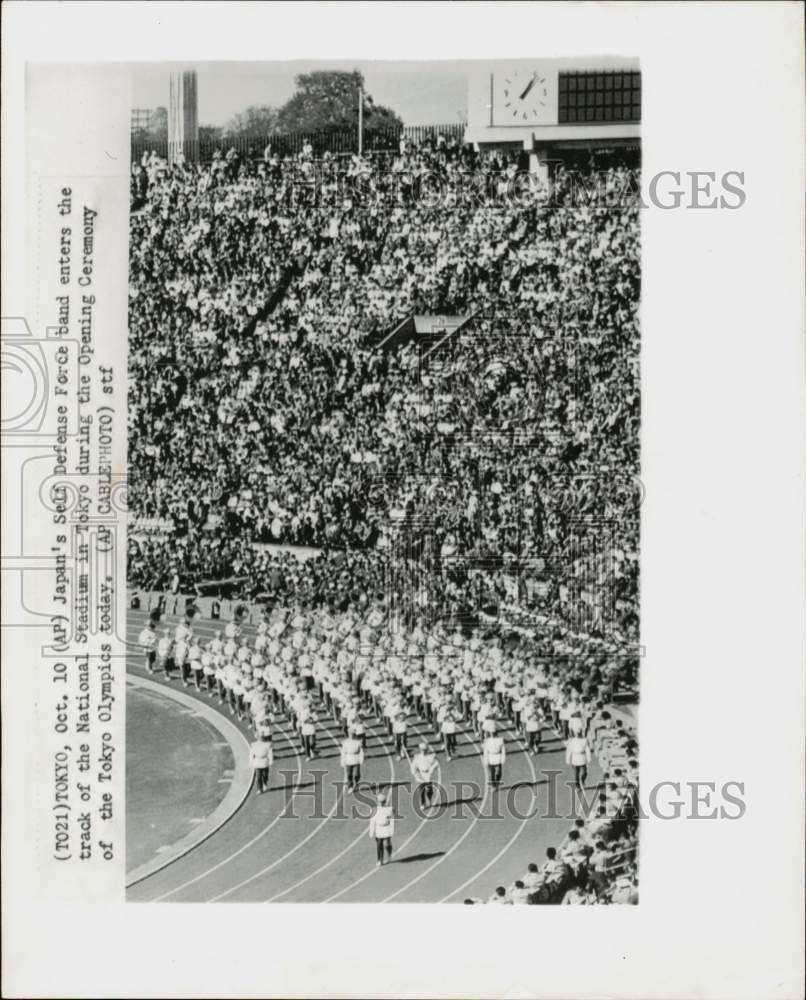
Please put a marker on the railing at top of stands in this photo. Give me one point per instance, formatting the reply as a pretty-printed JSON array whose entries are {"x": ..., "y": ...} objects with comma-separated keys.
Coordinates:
[{"x": 335, "y": 141}]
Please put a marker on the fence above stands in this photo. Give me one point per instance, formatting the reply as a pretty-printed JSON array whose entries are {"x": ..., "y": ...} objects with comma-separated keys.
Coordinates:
[{"x": 334, "y": 141}]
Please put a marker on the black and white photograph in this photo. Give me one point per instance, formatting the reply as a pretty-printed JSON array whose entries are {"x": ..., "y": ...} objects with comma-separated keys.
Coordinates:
[
  {"x": 404, "y": 474},
  {"x": 384, "y": 483}
]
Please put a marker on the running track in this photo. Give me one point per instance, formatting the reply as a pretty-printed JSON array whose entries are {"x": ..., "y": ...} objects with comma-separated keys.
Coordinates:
[{"x": 463, "y": 848}]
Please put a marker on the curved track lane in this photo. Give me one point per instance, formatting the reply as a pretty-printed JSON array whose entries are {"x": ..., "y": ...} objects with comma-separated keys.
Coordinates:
[{"x": 313, "y": 845}]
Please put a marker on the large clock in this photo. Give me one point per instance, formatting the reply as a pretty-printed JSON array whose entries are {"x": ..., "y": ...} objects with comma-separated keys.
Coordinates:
[{"x": 525, "y": 95}]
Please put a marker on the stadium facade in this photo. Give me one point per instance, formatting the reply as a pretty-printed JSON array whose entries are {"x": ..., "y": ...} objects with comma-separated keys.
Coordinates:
[{"x": 548, "y": 107}]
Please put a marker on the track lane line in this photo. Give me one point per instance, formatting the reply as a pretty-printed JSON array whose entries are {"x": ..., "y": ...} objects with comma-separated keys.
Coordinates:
[
  {"x": 512, "y": 839},
  {"x": 209, "y": 629},
  {"x": 244, "y": 847},
  {"x": 206, "y": 629},
  {"x": 232, "y": 802},
  {"x": 450, "y": 851},
  {"x": 376, "y": 870},
  {"x": 288, "y": 853},
  {"x": 348, "y": 848}
]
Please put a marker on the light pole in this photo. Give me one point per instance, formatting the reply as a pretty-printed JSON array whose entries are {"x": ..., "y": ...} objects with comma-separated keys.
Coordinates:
[
  {"x": 183, "y": 117},
  {"x": 360, "y": 121}
]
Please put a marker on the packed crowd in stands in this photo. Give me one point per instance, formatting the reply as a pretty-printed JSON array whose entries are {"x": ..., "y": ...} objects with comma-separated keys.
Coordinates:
[
  {"x": 262, "y": 409},
  {"x": 446, "y": 481}
]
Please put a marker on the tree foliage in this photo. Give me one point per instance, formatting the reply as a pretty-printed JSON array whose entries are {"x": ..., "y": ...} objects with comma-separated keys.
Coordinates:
[
  {"x": 256, "y": 122},
  {"x": 324, "y": 101},
  {"x": 327, "y": 100},
  {"x": 157, "y": 128},
  {"x": 210, "y": 133}
]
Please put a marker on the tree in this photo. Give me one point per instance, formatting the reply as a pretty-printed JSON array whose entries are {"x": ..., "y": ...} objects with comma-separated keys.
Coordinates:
[
  {"x": 157, "y": 128},
  {"x": 209, "y": 133},
  {"x": 158, "y": 125},
  {"x": 327, "y": 101},
  {"x": 256, "y": 122}
]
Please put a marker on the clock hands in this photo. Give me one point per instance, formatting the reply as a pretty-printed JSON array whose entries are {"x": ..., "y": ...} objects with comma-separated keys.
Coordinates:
[
  {"x": 529, "y": 86},
  {"x": 511, "y": 98}
]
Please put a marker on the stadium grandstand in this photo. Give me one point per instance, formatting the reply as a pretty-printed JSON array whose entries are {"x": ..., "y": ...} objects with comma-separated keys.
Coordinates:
[{"x": 384, "y": 436}]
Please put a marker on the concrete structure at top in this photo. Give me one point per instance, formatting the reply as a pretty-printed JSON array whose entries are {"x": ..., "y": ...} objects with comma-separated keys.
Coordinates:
[
  {"x": 544, "y": 106},
  {"x": 183, "y": 117}
]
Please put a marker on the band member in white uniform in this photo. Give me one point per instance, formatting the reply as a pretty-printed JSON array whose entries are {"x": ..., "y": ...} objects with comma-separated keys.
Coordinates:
[
  {"x": 148, "y": 640},
  {"x": 382, "y": 828},
  {"x": 400, "y": 730},
  {"x": 308, "y": 734},
  {"x": 489, "y": 725},
  {"x": 352, "y": 757},
  {"x": 261, "y": 758},
  {"x": 449, "y": 734},
  {"x": 208, "y": 669},
  {"x": 357, "y": 723},
  {"x": 165, "y": 653},
  {"x": 578, "y": 755},
  {"x": 494, "y": 754},
  {"x": 182, "y": 638},
  {"x": 194, "y": 661},
  {"x": 576, "y": 725},
  {"x": 423, "y": 765}
]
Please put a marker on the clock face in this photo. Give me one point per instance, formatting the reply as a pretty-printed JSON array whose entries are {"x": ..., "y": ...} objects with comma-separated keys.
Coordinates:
[{"x": 524, "y": 96}]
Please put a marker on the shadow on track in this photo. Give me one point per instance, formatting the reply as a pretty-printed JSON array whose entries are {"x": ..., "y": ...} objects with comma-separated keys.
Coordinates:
[{"x": 418, "y": 857}]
